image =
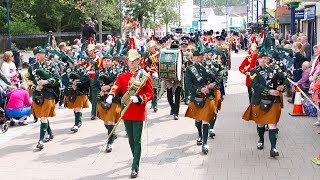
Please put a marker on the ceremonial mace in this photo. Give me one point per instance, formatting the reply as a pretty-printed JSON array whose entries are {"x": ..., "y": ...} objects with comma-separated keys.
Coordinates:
[{"x": 134, "y": 88}]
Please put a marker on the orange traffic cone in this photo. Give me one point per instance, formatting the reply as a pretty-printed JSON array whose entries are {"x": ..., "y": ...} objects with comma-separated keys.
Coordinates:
[{"x": 297, "y": 107}]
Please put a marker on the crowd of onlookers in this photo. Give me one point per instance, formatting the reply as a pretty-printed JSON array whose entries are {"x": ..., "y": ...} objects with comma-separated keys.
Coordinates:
[{"x": 14, "y": 97}]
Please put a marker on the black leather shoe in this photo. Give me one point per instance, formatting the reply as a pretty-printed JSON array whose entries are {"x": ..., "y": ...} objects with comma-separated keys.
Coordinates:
[
  {"x": 74, "y": 129},
  {"x": 205, "y": 149},
  {"x": 109, "y": 148},
  {"x": 155, "y": 109},
  {"x": 199, "y": 141},
  {"x": 274, "y": 152},
  {"x": 48, "y": 138},
  {"x": 40, "y": 145},
  {"x": 211, "y": 133},
  {"x": 175, "y": 117},
  {"x": 260, "y": 145},
  {"x": 134, "y": 173},
  {"x": 93, "y": 117},
  {"x": 80, "y": 124},
  {"x": 171, "y": 112}
]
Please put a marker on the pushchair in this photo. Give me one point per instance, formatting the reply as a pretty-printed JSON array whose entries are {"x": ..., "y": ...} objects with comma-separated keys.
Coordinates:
[{"x": 4, "y": 120}]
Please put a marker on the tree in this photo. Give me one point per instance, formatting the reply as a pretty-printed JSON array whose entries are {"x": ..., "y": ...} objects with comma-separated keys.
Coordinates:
[
  {"x": 214, "y": 3},
  {"x": 140, "y": 10},
  {"x": 20, "y": 20},
  {"x": 167, "y": 13},
  {"x": 57, "y": 15}
]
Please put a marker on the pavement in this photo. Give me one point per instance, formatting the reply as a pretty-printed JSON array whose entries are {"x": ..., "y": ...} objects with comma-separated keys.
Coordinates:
[{"x": 169, "y": 146}]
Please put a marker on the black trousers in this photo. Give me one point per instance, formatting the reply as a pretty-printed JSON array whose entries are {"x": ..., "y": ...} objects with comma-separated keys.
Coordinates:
[
  {"x": 249, "y": 93},
  {"x": 176, "y": 104}
]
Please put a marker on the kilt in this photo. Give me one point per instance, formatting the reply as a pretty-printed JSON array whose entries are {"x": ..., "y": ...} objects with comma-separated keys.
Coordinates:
[
  {"x": 254, "y": 113},
  {"x": 81, "y": 102},
  {"x": 204, "y": 114},
  {"x": 44, "y": 110},
  {"x": 217, "y": 98},
  {"x": 112, "y": 114}
]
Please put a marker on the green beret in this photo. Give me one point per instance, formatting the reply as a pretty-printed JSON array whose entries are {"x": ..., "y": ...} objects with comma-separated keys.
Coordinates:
[
  {"x": 107, "y": 56},
  {"x": 197, "y": 53},
  {"x": 39, "y": 49}
]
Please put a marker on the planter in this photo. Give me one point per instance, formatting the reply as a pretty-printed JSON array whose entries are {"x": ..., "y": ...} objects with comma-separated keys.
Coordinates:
[{"x": 294, "y": 4}]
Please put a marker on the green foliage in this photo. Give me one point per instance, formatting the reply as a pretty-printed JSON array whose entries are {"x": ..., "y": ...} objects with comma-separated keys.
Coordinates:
[{"x": 215, "y": 3}]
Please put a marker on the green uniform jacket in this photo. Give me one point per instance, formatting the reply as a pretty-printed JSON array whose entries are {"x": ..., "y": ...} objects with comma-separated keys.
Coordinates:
[
  {"x": 98, "y": 81},
  {"x": 50, "y": 73},
  {"x": 259, "y": 77},
  {"x": 196, "y": 83},
  {"x": 80, "y": 75}
]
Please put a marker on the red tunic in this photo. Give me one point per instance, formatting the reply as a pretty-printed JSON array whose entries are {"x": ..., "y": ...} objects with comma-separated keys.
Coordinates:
[
  {"x": 247, "y": 65},
  {"x": 135, "y": 112}
]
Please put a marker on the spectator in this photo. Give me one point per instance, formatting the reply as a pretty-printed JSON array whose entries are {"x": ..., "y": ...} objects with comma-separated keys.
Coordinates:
[
  {"x": 304, "y": 82},
  {"x": 9, "y": 69},
  {"x": 62, "y": 46},
  {"x": 19, "y": 104},
  {"x": 98, "y": 50},
  {"x": 77, "y": 42},
  {"x": 316, "y": 61},
  {"x": 306, "y": 47},
  {"x": 297, "y": 65},
  {"x": 88, "y": 32},
  {"x": 315, "y": 88},
  {"x": 284, "y": 42}
]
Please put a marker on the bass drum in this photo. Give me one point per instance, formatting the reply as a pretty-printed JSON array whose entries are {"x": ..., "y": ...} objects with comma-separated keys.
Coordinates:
[{"x": 170, "y": 64}]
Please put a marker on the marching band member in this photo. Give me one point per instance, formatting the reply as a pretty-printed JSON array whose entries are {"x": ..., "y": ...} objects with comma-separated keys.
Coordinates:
[
  {"x": 174, "y": 87},
  {"x": 152, "y": 68},
  {"x": 187, "y": 60},
  {"x": 247, "y": 65},
  {"x": 135, "y": 114},
  {"x": 108, "y": 113},
  {"x": 202, "y": 107},
  {"x": 266, "y": 103},
  {"x": 91, "y": 70},
  {"x": 45, "y": 78},
  {"x": 75, "y": 79},
  {"x": 220, "y": 46}
]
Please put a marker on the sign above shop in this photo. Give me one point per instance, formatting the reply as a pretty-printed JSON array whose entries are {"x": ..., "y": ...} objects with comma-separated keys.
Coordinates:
[
  {"x": 299, "y": 14},
  {"x": 310, "y": 13}
]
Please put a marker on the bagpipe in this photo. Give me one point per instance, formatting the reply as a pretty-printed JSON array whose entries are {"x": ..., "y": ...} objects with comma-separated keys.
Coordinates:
[
  {"x": 64, "y": 57},
  {"x": 103, "y": 81},
  {"x": 277, "y": 66},
  {"x": 41, "y": 74}
]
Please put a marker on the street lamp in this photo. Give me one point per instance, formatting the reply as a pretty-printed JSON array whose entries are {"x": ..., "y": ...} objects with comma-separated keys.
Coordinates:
[
  {"x": 292, "y": 4},
  {"x": 200, "y": 15},
  {"x": 8, "y": 17}
]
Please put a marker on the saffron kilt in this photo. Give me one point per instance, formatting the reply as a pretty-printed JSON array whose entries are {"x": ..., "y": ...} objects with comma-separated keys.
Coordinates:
[
  {"x": 217, "y": 98},
  {"x": 272, "y": 116},
  {"x": 204, "y": 114},
  {"x": 81, "y": 102},
  {"x": 112, "y": 114},
  {"x": 44, "y": 110}
]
